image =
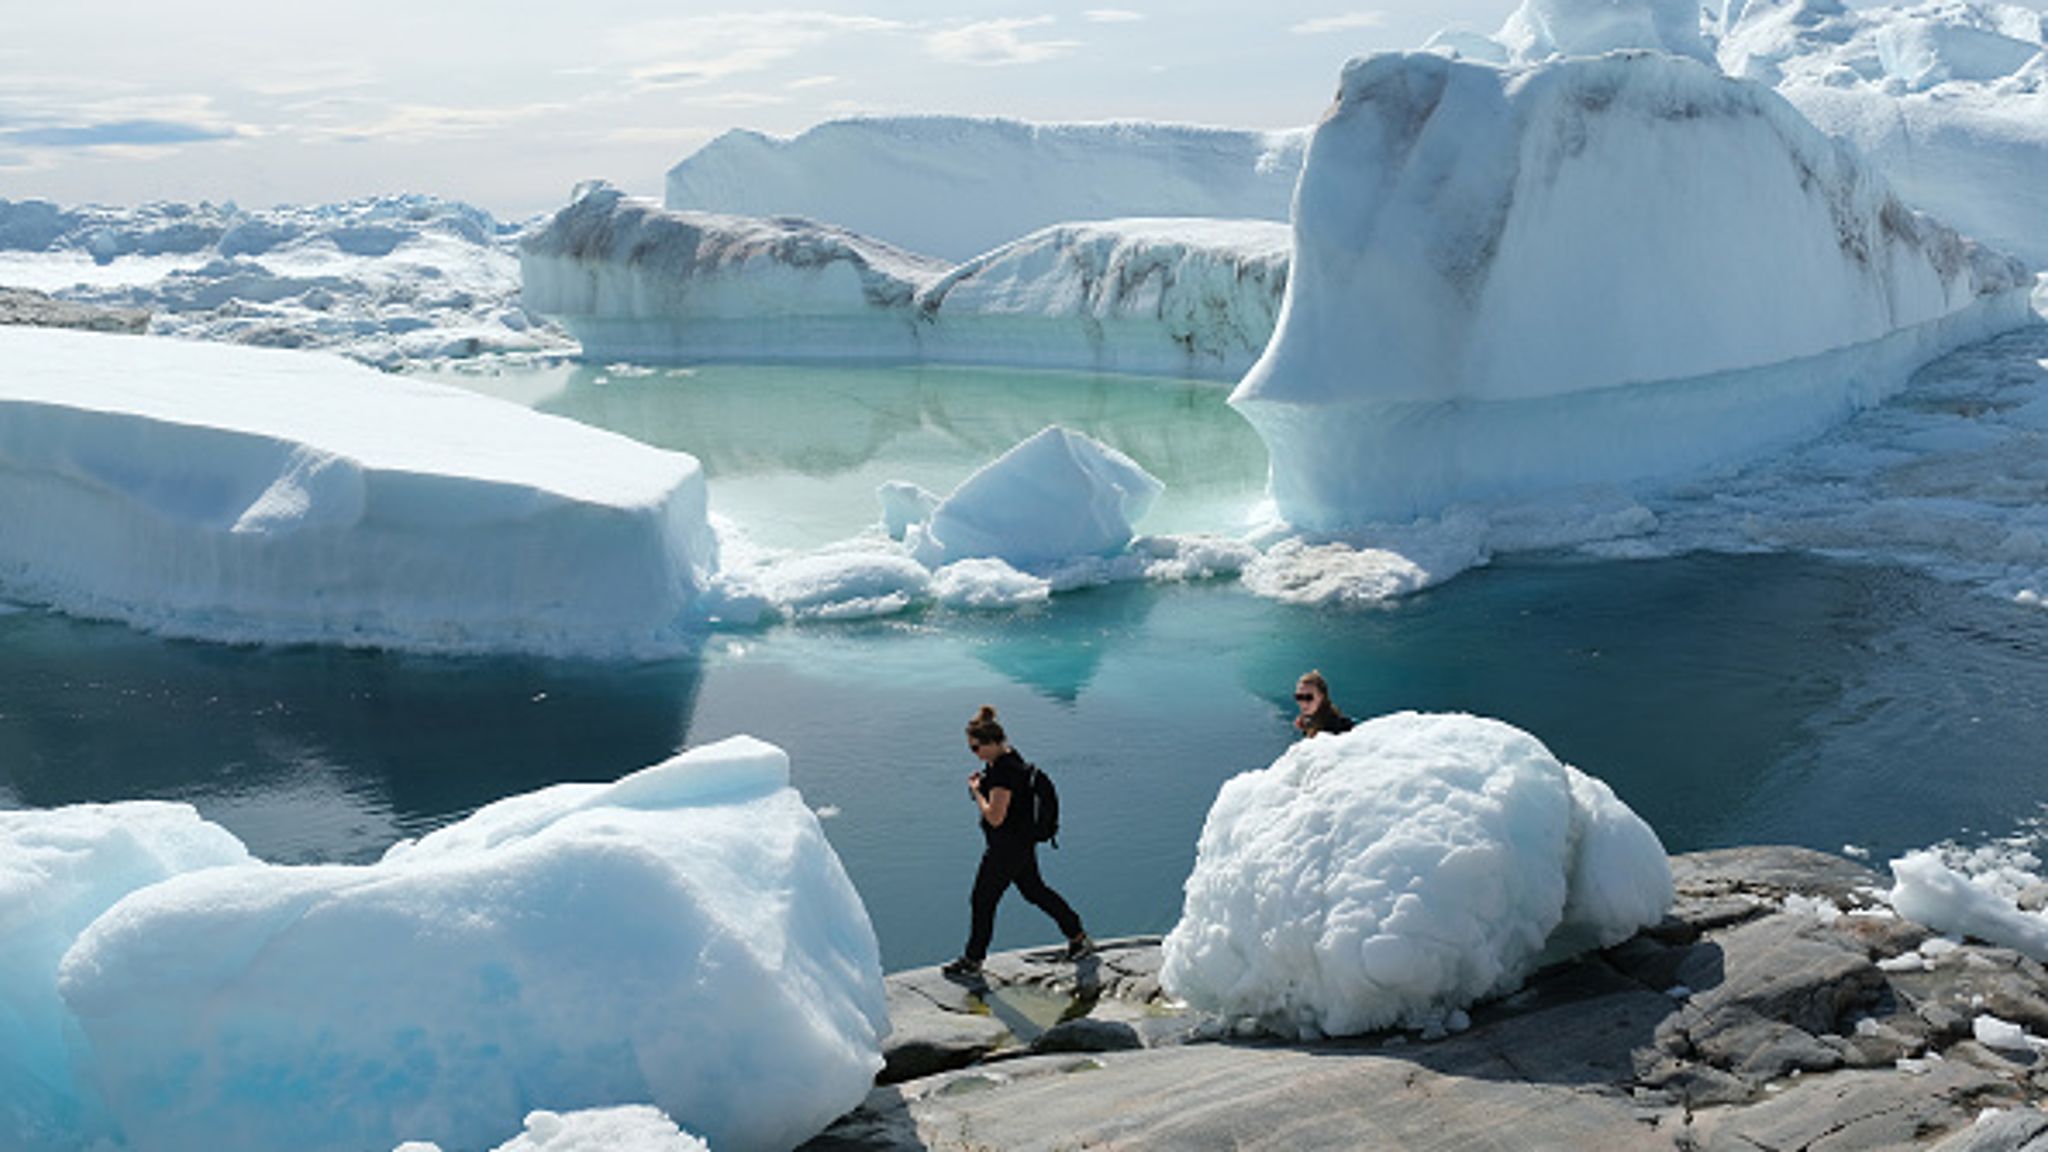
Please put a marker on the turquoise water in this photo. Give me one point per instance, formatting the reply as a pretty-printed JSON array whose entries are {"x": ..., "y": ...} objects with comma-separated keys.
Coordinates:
[{"x": 1728, "y": 699}]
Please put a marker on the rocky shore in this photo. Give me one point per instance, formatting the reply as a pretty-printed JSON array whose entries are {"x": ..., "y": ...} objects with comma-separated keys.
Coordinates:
[{"x": 1780, "y": 1006}]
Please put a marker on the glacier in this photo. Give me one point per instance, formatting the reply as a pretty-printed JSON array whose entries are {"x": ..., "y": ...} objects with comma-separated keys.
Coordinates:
[
  {"x": 957, "y": 186},
  {"x": 1401, "y": 871},
  {"x": 1605, "y": 270},
  {"x": 631, "y": 280},
  {"x": 243, "y": 494},
  {"x": 390, "y": 281},
  {"x": 683, "y": 937}
]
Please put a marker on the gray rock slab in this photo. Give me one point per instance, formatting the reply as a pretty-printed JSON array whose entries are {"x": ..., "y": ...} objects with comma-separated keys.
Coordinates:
[
  {"x": 1850, "y": 1112},
  {"x": 2005, "y": 1130}
]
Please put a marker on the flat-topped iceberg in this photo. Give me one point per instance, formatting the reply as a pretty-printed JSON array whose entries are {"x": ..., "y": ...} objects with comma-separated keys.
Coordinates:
[
  {"x": 957, "y": 186},
  {"x": 1186, "y": 297},
  {"x": 253, "y": 495},
  {"x": 1591, "y": 271},
  {"x": 683, "y": 938},
  {"x": 1399, "y": 872}
]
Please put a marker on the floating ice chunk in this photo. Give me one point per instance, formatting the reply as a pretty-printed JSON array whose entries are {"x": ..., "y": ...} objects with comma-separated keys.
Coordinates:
[
  {"x": 684, "y": 937},
  {"x": 1481, "y": 305},
  {"x": 59, "y": 870},
  {"x": 1927, "y": 891},
  {"x": 905, "y": 504},
  {"x": 987, "y": 583},
  {"x": 1057, "y": 495},
  {"x": 843, "y": 584},
  {"x": 632, "y": 1128},
  {"x": 1399, "y": 872},
  {"x": 246, "y": 494}
]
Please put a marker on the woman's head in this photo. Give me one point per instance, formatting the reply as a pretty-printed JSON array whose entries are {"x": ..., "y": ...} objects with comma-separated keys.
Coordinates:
[
  {"x": 984, "y": 734},
  {"x": 1312, "y": 692}
]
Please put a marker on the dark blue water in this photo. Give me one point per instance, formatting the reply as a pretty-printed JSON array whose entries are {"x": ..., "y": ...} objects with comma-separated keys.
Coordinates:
[{"x": 1727, "y": 699}]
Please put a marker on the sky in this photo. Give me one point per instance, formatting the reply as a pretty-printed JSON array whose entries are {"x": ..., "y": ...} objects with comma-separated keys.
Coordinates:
[{"x": 509, "y": 107}]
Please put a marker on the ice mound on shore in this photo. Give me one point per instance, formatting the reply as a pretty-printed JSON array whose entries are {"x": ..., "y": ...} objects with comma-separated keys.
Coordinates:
[
  {"x": 633, "y": 1128},
  {"x": 683, "y": 938},
  {"x": 1188, "y": 297},
  {"x": 1399, "y": 872},
  {"x": 1592, "y": 271},
  {"x": 1056, "y": 496},
  {"x": 957, "y": 186},
  {"x": 252, "y": 495}
]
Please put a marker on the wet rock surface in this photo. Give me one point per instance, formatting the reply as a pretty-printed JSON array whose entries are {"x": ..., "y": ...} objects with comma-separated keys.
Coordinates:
[{"x": 1780, "y": 1006}]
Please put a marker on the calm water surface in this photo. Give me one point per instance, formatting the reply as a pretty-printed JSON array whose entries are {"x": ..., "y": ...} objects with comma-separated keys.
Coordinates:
[{"x": 1728, "y": 699}]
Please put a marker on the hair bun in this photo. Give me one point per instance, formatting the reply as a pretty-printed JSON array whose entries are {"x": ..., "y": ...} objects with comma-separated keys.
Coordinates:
[{"x": 987, "y": 714}]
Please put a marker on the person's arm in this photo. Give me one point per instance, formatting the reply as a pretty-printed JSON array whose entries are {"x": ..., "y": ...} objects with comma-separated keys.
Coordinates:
[{"x": 994, "y": 806}]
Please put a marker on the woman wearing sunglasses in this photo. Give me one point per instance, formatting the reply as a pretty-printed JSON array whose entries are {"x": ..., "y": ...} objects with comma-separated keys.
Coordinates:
[{"x": 1317, "y": 714}]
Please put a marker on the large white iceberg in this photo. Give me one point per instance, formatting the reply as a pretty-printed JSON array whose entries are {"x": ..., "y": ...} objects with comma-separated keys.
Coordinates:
[
  {"x": 1948, "y": 99},
  {"x": 684, "y": 938},
  {"x": 256, "y": 495},
  {"x": 1591, "y": 271},
  {"x": 957, "y": 186},
  {"x": 1189, "y": 297},
  {"x": 1397, "y": 873}
]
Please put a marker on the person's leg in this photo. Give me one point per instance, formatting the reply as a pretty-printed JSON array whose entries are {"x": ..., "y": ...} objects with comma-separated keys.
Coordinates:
[
  {"x": 990, "y": 881},
  {"x": 1033, "y": 887}
]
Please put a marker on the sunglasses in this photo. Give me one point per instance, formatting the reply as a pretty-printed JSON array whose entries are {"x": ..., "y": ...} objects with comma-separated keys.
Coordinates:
[{"x": 1304, "y": 697}]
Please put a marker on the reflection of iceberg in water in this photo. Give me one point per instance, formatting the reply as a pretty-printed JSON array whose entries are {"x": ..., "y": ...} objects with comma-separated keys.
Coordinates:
[
  {"x": 386, "y": 745},
  {"x": 803, "y": 449},
  {"x": 1060, "y": 662}
]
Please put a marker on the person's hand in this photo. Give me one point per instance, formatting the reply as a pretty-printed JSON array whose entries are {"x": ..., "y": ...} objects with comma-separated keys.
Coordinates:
[
  {"x": 974, "y": 782},
  {"x": 1301, "y": 723}
]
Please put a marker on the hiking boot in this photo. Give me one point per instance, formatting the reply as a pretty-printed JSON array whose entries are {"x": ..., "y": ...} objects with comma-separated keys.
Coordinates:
[
  {"x": 966, "y": 967},
  {"x": 1079, "y": 945}
]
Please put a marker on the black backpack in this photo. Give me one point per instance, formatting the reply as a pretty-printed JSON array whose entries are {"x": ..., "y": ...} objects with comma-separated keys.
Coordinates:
[{"x": 1045, "y": 808}]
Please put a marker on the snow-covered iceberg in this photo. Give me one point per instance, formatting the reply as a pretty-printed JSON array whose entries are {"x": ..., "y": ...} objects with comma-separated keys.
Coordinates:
[
  {"x": 957, "y": 186},
  {"x": 1948, "y": 99},
  {"x": 1590, "y": 271},
  {"x": 389, "y": 280},
  {"x": 1399, "y": 872},
  {"x": 245, "y": 494},
  {"x": 683, "y": 938},
  {"x": 1176, "y": 297}
]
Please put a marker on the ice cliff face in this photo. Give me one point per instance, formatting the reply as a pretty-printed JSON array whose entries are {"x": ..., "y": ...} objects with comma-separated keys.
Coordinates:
[
  {"x": 633, "y": 281},
  {"x": 957, "y": 186},
  {"x": 388, "y": 280},
  {"x": 1588, "y": 271},
  {"x": 1948, "y": 99}
]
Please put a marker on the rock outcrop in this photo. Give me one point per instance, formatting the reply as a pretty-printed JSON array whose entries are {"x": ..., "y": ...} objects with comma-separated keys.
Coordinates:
[{"x": 1779, "y": 1006}]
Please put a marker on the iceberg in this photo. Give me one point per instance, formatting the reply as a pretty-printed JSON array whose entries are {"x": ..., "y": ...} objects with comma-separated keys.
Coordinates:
[
  {"x": 1054, "y": 497},
  {"x": 253, "y": 495},
  {"x": 1949, "y": 100},
  {"x": 1400, "y": 872},
  {"x": 1160, "y": 296},
  {"x": 389, "y": 280},
  {"x": 1592, "y": 271},
  {"x": 958, "y": 186},
  {"x": 683, "y": 938}
]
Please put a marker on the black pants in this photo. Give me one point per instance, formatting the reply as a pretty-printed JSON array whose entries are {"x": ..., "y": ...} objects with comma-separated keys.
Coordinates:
[{"x": 1004, "y": 864}]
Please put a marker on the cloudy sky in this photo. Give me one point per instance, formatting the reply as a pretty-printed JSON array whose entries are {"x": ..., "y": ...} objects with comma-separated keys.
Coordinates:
[{"x": 508, "y": 106}]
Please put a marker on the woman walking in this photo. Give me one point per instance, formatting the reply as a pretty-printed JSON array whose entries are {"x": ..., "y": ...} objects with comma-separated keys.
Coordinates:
[{"x": 1002, "y": 792}]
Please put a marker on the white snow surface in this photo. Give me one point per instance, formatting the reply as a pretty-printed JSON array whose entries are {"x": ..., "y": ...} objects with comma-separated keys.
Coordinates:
[
  {"x": 1543, "y": 28},
  {"x": 59, "y": 870},
  {"x": 1055, "y": 496},
  {"x": 1948, "y": 99},
  {"x": 683, "y": 938},
  {"x": 630, "y": 1128},
  {"x": 958, "y": 186},
  {"x": 1926, "y": 889},
  {"x": 1189, "y": 297},
  {"x": 1616, "y": 270},
  {"x": 1401, "y": 871},
  {"x": 389, "y": 281},
  {"x": 247, "y": 494}
]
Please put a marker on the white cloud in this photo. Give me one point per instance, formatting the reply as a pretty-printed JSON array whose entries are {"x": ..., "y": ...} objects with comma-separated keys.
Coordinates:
[
  {"x": 422, "y": 123},
  {"x": 812, "y": 82},
  {"x": 697, "y": 50},
  {"x": 991, "y": 43},
  {"x": 1345, "y": 22},
  {"x": 1111, "y": 15}
]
